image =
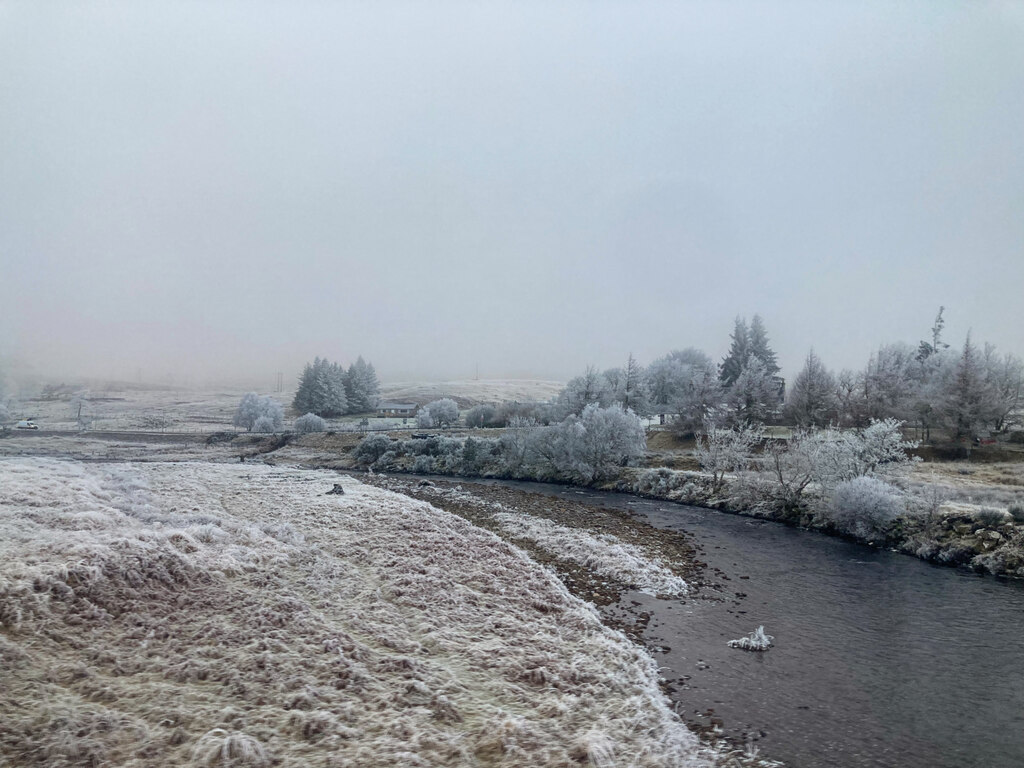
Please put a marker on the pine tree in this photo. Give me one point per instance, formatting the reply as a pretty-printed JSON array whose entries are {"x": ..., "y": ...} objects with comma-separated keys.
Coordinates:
[
  {"x": 813, "y": 401},
  {"x": 758, "y": 341},
  {"x": 321, "y": 390},
  {"x": 739, "y": 351},
  {"x": 968, "y": 398},
  {"x": 303, "y": 400}
]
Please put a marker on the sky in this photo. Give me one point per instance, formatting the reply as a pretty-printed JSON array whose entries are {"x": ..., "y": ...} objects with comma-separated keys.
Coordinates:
[{"x": 213, "y": 191}]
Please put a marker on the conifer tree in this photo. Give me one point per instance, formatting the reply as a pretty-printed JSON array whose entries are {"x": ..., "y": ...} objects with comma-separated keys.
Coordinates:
[
  {"x": 739, "y": 351},
  {"x": 758, "y": 341}
]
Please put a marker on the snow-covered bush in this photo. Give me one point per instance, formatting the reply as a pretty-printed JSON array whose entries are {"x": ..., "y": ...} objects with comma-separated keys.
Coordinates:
[
  {"x": 371, "y": 448},
  {"x": 423, "y": 465},
  {"x": 587, "y": 447},
  {"x": 864, "y": 505},
  {"x": 263, "y": 424},
  {"x": 254, "y": 407},
  {"x": 386, "y": 462},
  {"x": 720, "y": 451},
  {"x": 439, "y": 413},
  {"x": 830, "y": 456},
  {"x": 309, "y": 423},
  {"x": 755, "y": 641},
  {"x": 480, "y": 416}
]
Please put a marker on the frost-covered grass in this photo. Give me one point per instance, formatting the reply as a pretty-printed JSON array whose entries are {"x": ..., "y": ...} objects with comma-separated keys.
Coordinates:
[
  {"x": 197, "y": 614},
  {"x": 603, "y": 553},
  {"x": 474, "y": 391}
]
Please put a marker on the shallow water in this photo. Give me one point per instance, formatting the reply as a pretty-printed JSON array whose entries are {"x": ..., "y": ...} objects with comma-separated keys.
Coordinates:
[{"x": 880, "y": 659}]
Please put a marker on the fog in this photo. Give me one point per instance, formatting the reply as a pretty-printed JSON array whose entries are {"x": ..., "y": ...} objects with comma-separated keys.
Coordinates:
[{"x": 213, "y": 190}]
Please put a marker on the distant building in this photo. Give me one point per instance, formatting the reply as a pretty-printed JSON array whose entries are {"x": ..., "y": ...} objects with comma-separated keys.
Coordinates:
[{"x": 400, "y": 410}]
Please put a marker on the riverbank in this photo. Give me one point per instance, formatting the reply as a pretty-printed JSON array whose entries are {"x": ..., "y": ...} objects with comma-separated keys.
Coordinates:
[
  {"x": 956, "y": 512},
  {"x": 607, "y": 577},
  {"x": 196, "y": 613}
]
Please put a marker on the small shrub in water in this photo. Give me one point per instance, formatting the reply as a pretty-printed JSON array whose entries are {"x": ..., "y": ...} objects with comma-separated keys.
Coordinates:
[{"x": 755, "y": 641}]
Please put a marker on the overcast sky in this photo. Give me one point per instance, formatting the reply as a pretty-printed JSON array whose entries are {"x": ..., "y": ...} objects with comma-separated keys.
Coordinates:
[{"x": 216, "y": 190}]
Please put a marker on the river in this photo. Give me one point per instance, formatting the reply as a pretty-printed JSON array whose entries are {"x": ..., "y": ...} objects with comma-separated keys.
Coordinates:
[{"x": 879, "y": 659}]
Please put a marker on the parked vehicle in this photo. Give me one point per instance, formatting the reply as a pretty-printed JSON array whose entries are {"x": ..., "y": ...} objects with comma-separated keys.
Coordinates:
[{"x": 26, "y": 424}]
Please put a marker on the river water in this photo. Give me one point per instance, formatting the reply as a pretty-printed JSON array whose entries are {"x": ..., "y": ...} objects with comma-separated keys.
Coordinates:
[{"x": 880, "y": 659}]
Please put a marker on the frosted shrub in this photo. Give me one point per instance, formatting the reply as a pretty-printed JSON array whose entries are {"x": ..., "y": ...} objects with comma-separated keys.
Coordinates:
[
  {"x": 263, "y": 424},
  {"x": 863, "y": 506},
  {"x": 727, "y": 450},
  {"x": 423, "y": 465},
  {"x": 480, "y": 416},
  {"x": 253, "y": 408},
  {"x": 386, "y": 462},
  {"x": 371, "y": 448},
  {"x": 664, "y": 483},
  {"x": 439, "y": 413},
  {"x": 309, "y": 423},
  {"x": 587, "y": 447}
]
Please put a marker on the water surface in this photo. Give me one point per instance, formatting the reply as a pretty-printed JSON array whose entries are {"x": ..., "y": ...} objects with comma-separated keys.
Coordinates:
[{"x": 880, "y": 659}]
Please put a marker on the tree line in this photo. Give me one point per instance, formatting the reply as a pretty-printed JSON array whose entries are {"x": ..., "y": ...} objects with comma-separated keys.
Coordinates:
[{"x": 928, "y": 385}]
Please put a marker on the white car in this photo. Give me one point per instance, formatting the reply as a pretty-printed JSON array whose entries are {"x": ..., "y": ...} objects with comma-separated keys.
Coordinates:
[{"x": 27, "y": 424}]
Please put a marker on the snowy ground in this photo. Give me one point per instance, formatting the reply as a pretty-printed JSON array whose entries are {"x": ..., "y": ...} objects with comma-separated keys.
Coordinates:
[
  {"x": 167, "y": 614},
  {"x": 178, "y": 409},
  {"x": 471, "y": 392}
]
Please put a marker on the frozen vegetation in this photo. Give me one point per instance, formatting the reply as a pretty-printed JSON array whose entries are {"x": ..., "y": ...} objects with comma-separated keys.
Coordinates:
[
  {"x": 602, "y": 553},
  {"x": 175, "y": 614},
  {"x": 755, "y": 641}
]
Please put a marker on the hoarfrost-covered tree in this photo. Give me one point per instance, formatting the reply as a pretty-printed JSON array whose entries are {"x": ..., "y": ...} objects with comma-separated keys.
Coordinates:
[
  {"x": 699, "y": 399},
  {"x": 439, "y": 413},
  {"x": 583, "y": 390},
  {"x": 634, "y": 396},
  {"x": 253, "y": 407},
  {"x": 812, "y": 399},
  {"x": 362, "y": 387},
  {"x": 322, "y": 389},
  {"x": 739, "y": 351},
  {"x": 754, "y": 395},
  {"x": 680, "y": 383},
  {"x": 889, "y": 382},
  {"x": 759, "y": 348},
  {"x": 480, "y": 416},
  {"x": 926, "y": 349},
  {"x": 1005, "y": 374},
  {"x": 721, "y": 451},
  {"x": 587, "y": 447},
  {"x": 327, "y": 389},
  {"x": 968, "y": 398},
  {"x": 851, "y": 403}
]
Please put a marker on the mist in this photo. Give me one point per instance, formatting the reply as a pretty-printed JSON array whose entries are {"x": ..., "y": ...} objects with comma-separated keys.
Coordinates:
[{"x": 202, "y": 192}]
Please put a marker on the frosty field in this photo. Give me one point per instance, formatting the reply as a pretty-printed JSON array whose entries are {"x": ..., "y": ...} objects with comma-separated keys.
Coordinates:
[{"x": 212, "y": 614}]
